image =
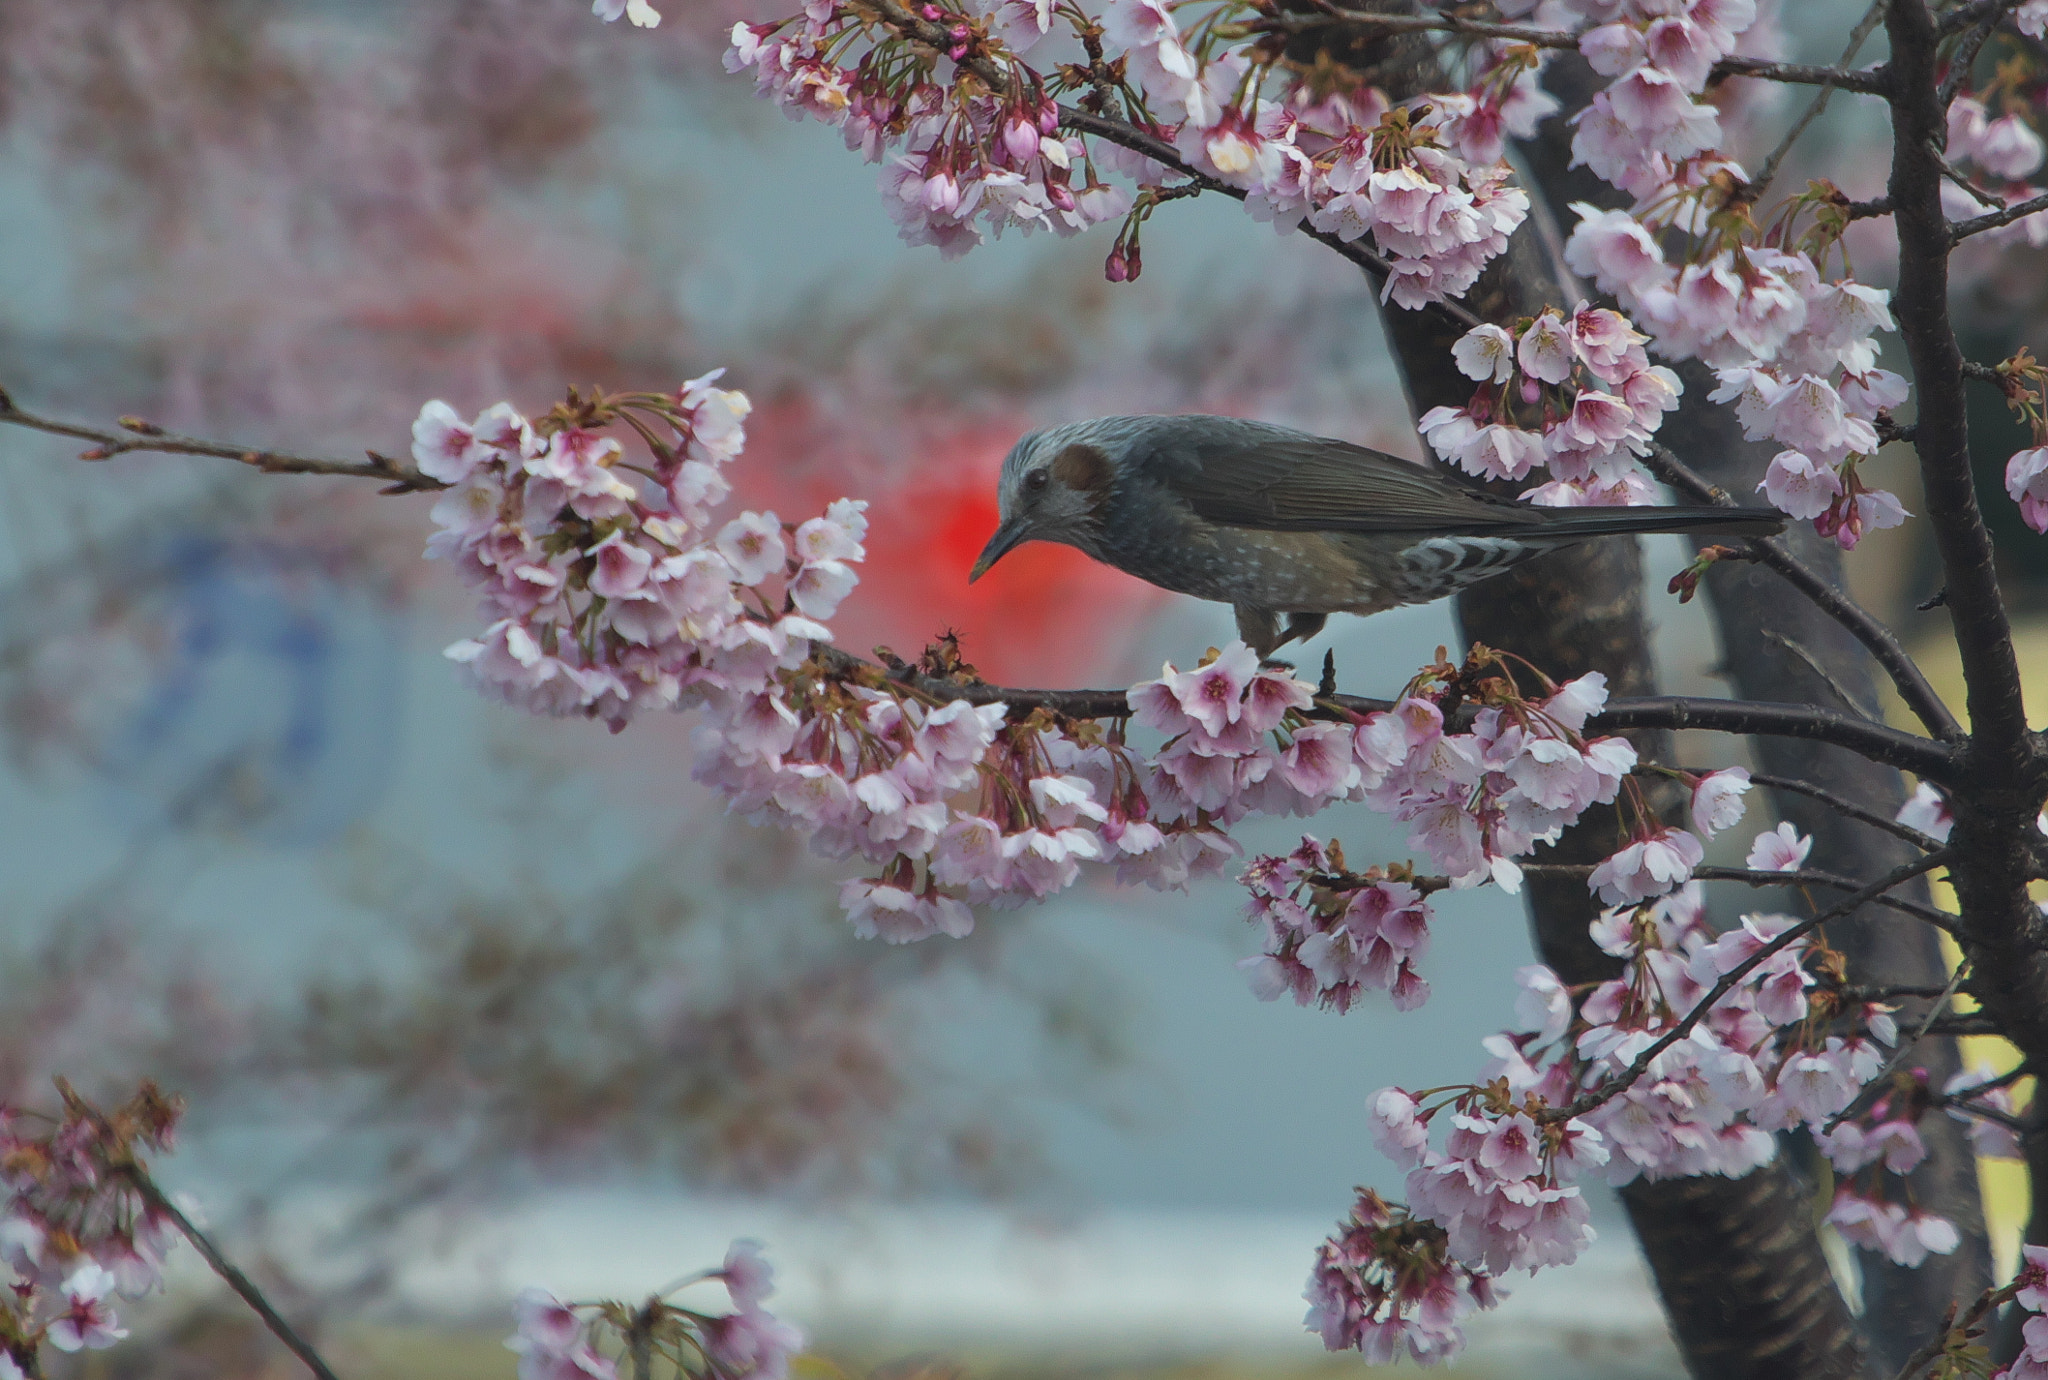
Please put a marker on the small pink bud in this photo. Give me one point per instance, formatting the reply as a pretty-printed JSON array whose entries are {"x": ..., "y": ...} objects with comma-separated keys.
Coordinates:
[
  {"x": 1020, "y": 139},
  {"x": 1117, "y": 269},
  {"x": 1059, "y": 195}
]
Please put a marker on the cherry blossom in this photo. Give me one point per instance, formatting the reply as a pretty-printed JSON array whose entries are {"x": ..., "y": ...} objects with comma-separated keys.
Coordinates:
[
  {"x": 1927, "y": 810},
  {"x": 1649, "y": 866},
  {"x": 1783, "y": 849},
  {"x": 1384, "y": 1284},
  {"x": 638, "y": 12},
  {"x": 2026, "y": 482},
  {"x": 1717, "y": 800}
]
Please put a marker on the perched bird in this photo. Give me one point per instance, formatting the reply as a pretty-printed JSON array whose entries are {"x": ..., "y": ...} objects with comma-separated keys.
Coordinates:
[{"x": 1275, "y": 521}]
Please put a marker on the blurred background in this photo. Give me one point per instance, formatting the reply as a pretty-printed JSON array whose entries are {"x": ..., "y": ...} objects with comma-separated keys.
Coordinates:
[{"x": 465, "y": 1001}]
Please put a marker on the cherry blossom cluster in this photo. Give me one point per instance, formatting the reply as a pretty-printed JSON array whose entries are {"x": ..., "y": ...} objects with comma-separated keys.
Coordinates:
[
  {"x": 1590, "y": 397},
  {"x": 2030, "y": 1291},
  {"x": 1793, "y": 351},
  {"x": 1775, "y": 1051},
  {"x": 1647, "y": 124},
  {"x": 961, "y": 159},
  {"x": 607, "y": 584},
  {"x": 961, "y": 806},
  {"x": 1386, "y": 1282},
  {"x": 1330, "y": 938},
  {"x": 1871, "y": 1153},
  {"x": 1766, "y": 1057},
  {"x": 75, "y": 1230},
  {"x": 1505, "y": 1185},
  {"x": 971, "y": 143},
  {"x": 1998, "y": 155},
  {"x": 559, "y": 1341}
]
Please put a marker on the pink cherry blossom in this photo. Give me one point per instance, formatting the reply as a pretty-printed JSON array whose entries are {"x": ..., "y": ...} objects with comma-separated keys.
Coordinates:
[
  {"x": 2026, "y": 482},
  {"x": 1783, "y": 849},
  {"x": 1486, "y": 353},
  {"x": 87, "y": 1322},
  {"x": 1648, "y": 866},
  {"x": 748, "y": 1276},
  {"x": 751, "y": 1344},
  {"x": 1717, "y": 800},
  {"x": 1545, "y": 351},
  {"x": 1927, "y": 810},
  {"x": 1800, "y": 487}
]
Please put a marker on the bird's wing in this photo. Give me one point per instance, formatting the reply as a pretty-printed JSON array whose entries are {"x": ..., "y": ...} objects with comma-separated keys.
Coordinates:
[{"x": 1250, "y": 474}]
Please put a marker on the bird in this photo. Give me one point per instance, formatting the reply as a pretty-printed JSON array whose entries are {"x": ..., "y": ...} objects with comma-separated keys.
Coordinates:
[{"x": 1280, "y": 523}]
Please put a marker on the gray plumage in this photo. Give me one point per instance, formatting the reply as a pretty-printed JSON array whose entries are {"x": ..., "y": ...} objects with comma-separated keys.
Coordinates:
[{"x": 1274, "y": 521}]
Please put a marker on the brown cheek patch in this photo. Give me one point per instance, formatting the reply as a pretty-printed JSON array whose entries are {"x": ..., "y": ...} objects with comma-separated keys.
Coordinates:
[{"x": 1084, "y": 469}]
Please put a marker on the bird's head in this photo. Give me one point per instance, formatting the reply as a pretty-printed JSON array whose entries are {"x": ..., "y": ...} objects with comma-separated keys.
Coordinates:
[{"x": 1054, "y": 486}]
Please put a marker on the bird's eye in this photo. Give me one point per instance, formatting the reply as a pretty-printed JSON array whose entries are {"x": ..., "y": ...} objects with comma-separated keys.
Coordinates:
[{"x": 1037, "y": 479}]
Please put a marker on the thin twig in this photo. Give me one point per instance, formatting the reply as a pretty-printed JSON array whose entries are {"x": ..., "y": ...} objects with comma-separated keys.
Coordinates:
[
  {"x": 1761, "y": 183},
  {"x": 1961, "y": 179},
  {"x": 1849, "y": 808},
  {"x": 1976, "y": 1023},
  {"x": 1866, "y": 83},
  {"x": 225, "y": 1268},
  {"x": 1882, "y": 643},
  {"x": 1626, "y": 1079},
  {"x": 139, "y": 435},
  {"x": 1977, "y": 225},
  {"x": 1961, "y": 1096},
  {"x": 1857, "y": 994}
]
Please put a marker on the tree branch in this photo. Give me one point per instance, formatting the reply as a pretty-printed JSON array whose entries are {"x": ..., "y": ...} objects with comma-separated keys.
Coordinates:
[
  {"x": 138, "y": 435},
  {"x": 1878, "y": 742},
  {"x": 1848, "y": 808},
  {"x": 1929, "y": 760},
  {"x": 1333, "y": 16},
  {"x": 1977, "y": 225}
]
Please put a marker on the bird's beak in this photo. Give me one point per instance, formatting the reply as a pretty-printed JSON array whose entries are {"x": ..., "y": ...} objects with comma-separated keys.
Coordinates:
[{"x": 1009, "y": 535}]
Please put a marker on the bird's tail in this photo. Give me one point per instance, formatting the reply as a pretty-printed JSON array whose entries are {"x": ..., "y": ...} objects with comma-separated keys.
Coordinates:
[{"x": 1720, "y": 522}]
